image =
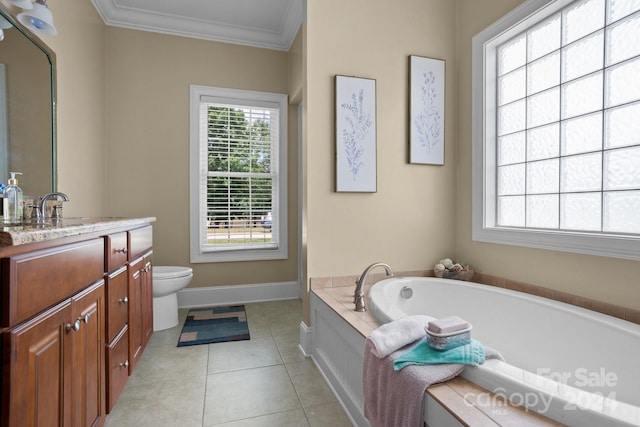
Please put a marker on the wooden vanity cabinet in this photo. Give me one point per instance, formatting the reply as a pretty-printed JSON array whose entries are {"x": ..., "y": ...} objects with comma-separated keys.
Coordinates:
[
  {"x": 147, "y": 298},
  {"x": 71, "y": 312},
  {"x": 140, "y": 292},
  {"x": 35, "y": 377},
  {"x": 117, "y": 324},
  {"x": 53, "y": 370},
  {"x": 117, "y": 360},
  {"x": 140, "y": 307},
  {"x": 116, "y": 248},
  {"x": 87, "y": 370},
  {"x": 53, "y": 345}
]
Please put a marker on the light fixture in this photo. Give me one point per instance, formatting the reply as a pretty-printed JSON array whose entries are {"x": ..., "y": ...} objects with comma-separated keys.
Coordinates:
[
  {"x": 4, "y": 25},
  {"x": 39, "y": 19},
  {"x": 24, "y": 4}
]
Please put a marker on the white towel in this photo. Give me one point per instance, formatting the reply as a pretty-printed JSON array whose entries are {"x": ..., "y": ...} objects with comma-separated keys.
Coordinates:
[{"x": 397, "y": 333}]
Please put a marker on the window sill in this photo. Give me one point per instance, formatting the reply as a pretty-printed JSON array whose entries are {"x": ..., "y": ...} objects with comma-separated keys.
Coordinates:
[
  {"x": 244, "y": 255},
  {"x": 582, "y": 243}
]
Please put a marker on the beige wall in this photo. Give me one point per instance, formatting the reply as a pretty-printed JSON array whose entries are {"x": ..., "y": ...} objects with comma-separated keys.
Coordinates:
[
  {"x": 295, "y": 70},
  {"x": 609, "y": 280},
  {"x": 410, "y": 221},
  {"x": 80, "y": 56},
  {"x": 148, "y": 78},
  {"x": 137, "y": 84}
]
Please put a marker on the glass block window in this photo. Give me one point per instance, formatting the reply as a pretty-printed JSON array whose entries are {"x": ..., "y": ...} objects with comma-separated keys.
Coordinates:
[
  {"x": 567, "y": 121},
  {"x": 556, "y": 128}
]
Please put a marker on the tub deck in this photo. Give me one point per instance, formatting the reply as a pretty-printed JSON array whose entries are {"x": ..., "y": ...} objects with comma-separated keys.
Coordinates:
[{"x": 466, "y": 401}]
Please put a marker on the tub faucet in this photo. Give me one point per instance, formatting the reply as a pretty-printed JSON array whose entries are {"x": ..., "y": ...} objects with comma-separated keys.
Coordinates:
[
  {"x": 359, "y": 295},
  {"x": 41, "y": 208}
]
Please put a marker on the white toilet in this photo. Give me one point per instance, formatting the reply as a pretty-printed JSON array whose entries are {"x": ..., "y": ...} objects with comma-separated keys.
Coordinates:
[{"x": 167, "y": 281}]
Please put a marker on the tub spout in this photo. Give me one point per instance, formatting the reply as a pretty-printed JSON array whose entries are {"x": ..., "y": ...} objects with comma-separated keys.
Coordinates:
[{"x": 359, "y": 294}]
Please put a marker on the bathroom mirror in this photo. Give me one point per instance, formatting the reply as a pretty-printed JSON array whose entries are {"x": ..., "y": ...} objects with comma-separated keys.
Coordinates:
[{"x": 27, "y": 107}]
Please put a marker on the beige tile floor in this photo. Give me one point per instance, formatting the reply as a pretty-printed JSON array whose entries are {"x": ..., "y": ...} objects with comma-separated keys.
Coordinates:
[{"x": 262, "y": 382}]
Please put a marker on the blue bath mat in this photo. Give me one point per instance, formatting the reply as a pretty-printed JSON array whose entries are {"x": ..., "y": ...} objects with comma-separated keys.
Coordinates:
[{"x": 214, "y": 324}]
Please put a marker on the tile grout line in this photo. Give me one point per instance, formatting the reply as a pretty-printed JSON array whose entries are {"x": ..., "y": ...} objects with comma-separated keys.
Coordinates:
[
  {"x": 281, "y": 338},
  {"x": 284, "y": 365},
  {"x": 281, "y": 353},
  {"x": 206, "y": 381}
]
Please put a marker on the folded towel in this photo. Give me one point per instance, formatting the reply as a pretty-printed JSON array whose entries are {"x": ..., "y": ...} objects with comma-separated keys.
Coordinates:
[
  {"x": 422, "y": 354},
  {"x": 396, "y": 398},
  {"x": 397, "y": 333},
  {"x": 447, "y": 325}
]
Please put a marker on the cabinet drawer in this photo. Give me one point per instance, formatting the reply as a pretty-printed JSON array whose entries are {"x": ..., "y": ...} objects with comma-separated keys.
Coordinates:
[
  {"x": 117, "y": 302},
  {"x": 37, "y": 280},
  {"x": 116, "y": 250},
  {"x": 140, "y": 240},
  {"x": 117, "y": 367}
]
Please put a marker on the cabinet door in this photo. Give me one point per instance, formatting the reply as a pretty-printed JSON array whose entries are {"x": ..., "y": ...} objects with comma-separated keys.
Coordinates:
[
  {"x": 37, "y": 382},
  {"x": 136, "y": 335},
  {"x": 147, "y": 300},
  {"x": 88, "y": 369}
]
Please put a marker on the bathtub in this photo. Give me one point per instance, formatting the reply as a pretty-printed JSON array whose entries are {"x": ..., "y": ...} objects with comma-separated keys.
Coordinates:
[{"x": 573, "y": 365}]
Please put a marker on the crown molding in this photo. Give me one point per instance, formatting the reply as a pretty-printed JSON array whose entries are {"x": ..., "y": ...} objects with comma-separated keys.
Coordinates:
[{"x": 136, "y": 19}]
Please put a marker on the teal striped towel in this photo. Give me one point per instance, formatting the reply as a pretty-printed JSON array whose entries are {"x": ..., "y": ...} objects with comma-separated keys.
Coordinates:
[{"x": 469, "y": 354}]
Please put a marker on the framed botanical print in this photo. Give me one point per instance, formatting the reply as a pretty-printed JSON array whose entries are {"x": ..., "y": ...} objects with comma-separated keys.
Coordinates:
[
  {"x": 355, "y": 134},
  {"x": 426, "y": 110}
]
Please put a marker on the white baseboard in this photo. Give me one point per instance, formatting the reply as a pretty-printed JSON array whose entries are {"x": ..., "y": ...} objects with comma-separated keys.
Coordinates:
[
  {"x": 305, "y": 340},
  {"x": 239, "y": 294}
]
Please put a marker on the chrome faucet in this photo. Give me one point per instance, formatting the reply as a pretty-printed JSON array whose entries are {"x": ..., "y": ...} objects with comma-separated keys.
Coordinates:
[
  {"x": 41, "y": 209},
  {"x": 359, "y": 295}
]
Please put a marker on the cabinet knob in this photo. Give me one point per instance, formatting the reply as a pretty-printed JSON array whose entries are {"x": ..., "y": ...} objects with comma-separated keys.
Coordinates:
[
  {"x": 86, "y": 318},
  {"x": 124, "y": 364},
  {"x": 75, "y": 325},
  {"x": 121, "y": 251},
  {"x": 124, "y": 300}
]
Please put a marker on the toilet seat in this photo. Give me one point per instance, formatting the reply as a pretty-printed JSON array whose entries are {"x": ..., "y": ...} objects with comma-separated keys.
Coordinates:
[{"x": 170, "y": 272}]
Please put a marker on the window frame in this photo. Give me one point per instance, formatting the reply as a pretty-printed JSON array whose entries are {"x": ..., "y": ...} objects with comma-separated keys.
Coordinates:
[
  {"x": 279, "y": 206},
  {"x": 484, "y": 145}
]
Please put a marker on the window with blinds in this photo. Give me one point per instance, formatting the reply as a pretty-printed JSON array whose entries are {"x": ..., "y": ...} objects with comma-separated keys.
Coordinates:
[
  {"x": 556, "y": 151},
  {"x": 238, "y": 150}
]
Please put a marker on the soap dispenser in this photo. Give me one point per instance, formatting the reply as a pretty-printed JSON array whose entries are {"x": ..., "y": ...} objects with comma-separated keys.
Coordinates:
[{"x": 12, "y": 202}]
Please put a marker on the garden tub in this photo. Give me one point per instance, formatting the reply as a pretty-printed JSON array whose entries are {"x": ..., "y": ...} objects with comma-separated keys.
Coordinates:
[{"x": 573, "y": 365}]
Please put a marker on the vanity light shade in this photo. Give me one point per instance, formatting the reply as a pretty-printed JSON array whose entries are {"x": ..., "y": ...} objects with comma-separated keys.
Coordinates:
[
  {"x": 4, "y": 24},
  {"x": 39, "y": 19},
  {"x": 24, "y": 4}
]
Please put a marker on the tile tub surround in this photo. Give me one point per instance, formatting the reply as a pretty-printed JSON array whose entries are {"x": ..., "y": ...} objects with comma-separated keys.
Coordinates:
[
  {"x": 618, "y": 311},
  {"x": 263, "y": 382},
  {"x": 65, "y": 227},
  {"x": 470, "y": 404}
]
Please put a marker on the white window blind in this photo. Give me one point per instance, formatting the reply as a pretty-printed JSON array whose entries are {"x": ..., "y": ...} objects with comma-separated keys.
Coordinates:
[
  {"x": 556, "y": 145},
  {"x": 239, "y": 179}
]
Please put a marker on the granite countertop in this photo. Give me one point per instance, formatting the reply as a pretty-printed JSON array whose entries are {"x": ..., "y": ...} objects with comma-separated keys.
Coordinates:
[{"x": 64, "y": 227}]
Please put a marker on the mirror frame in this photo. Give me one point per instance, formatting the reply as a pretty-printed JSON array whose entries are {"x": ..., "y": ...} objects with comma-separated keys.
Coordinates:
[{"x": 9, "y": 12}]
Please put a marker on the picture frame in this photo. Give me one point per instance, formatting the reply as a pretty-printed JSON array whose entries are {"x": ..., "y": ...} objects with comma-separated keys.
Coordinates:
[
  {"x": 356, "y": 136},
  {"x": 426, "y": 110}
]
